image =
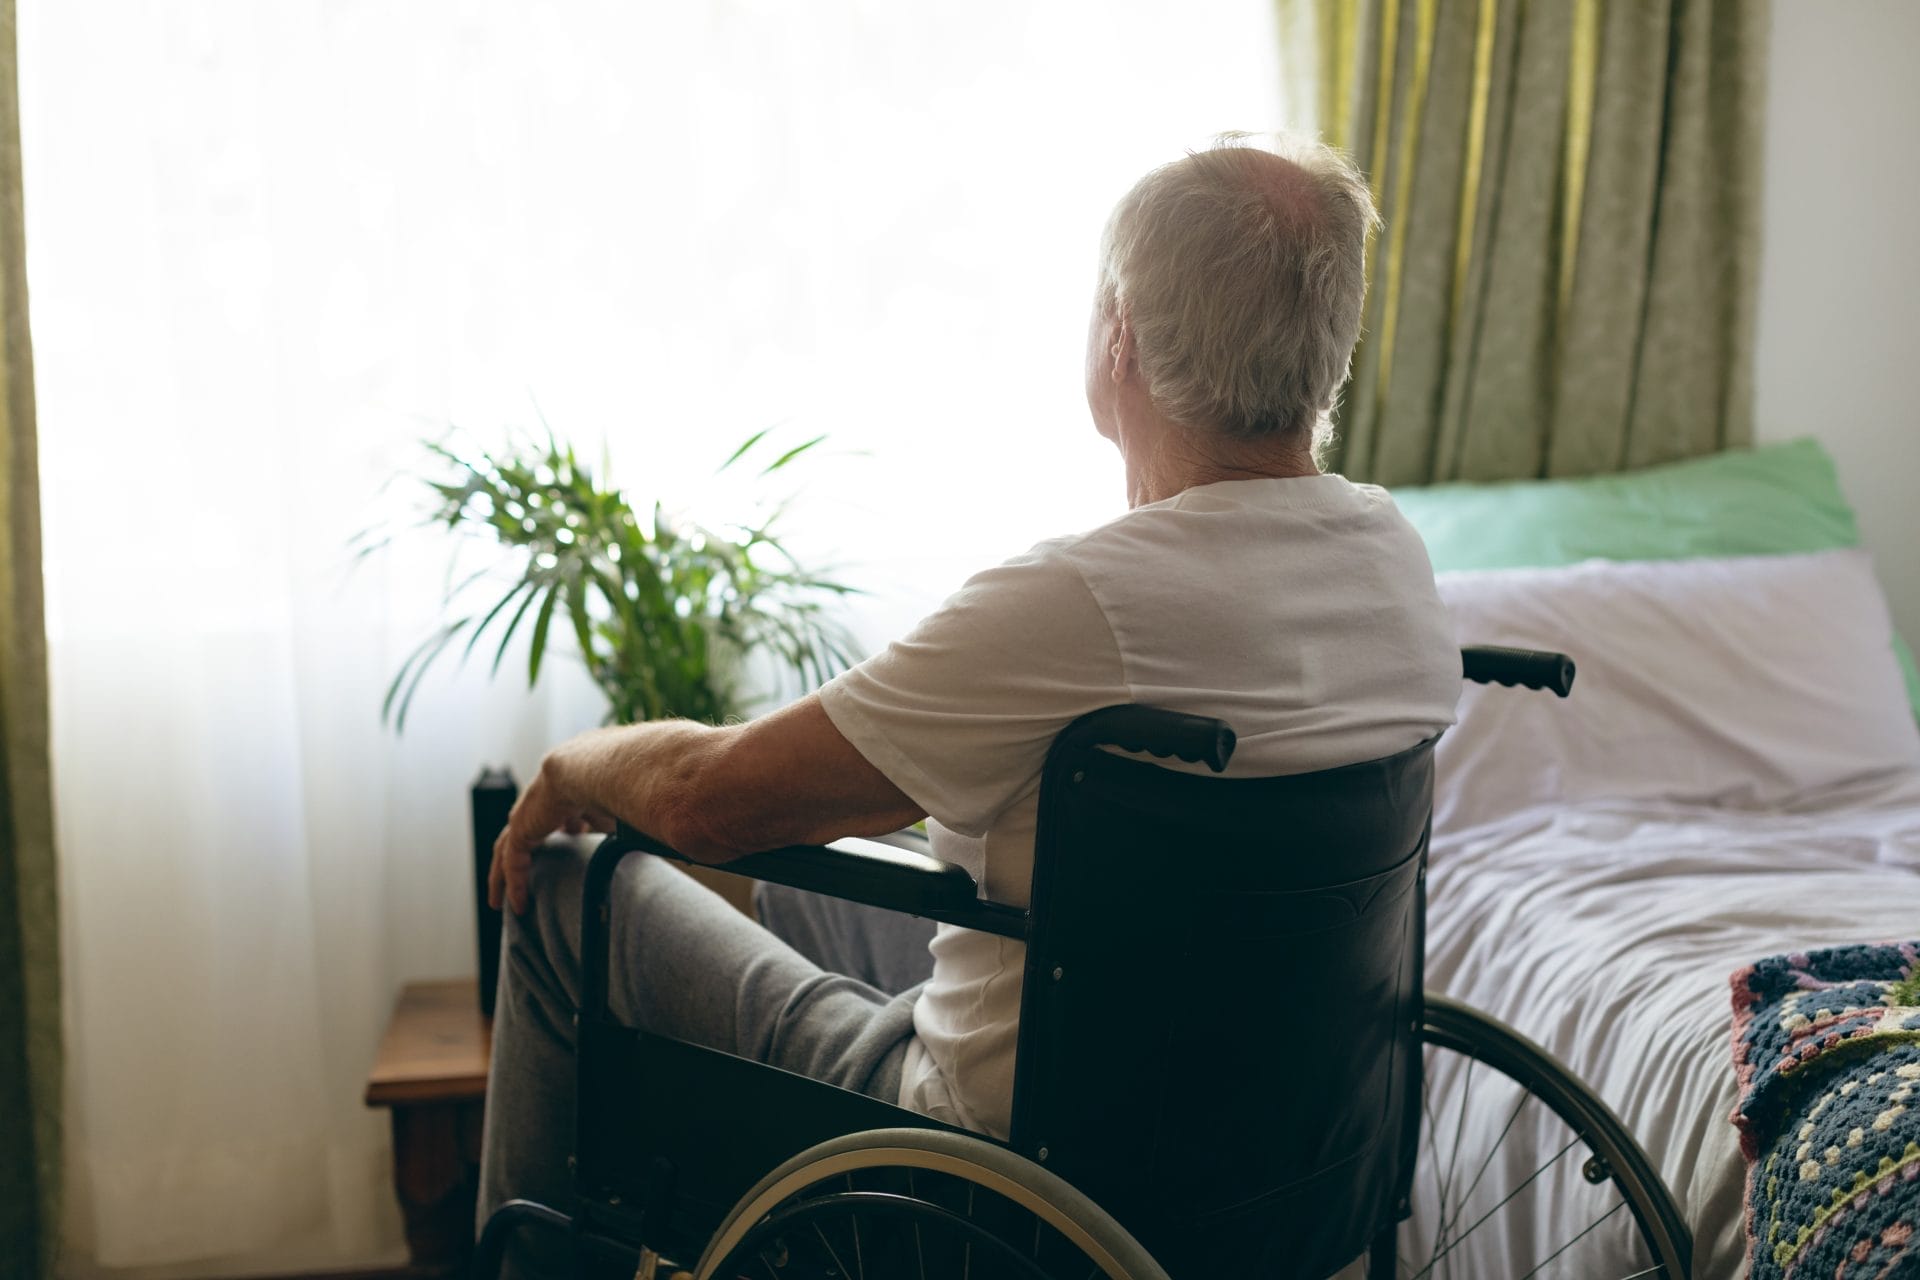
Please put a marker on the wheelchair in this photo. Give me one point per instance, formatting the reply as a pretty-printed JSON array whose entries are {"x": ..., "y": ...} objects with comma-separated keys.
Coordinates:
[{"x": 1223, "y": 1062}]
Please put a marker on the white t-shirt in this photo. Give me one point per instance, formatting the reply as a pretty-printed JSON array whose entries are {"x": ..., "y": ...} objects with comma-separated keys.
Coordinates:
[{"x": 1301, "y": 611}]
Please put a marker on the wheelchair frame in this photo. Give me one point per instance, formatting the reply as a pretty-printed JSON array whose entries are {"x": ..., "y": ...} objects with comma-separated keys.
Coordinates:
[{"x": 673, "y": 1204}]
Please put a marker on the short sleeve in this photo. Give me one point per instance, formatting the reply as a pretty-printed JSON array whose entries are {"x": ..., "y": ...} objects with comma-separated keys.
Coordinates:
[{"x": 959, "y": 714}]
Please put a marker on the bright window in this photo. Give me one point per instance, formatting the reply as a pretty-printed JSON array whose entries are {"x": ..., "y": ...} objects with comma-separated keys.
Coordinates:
[{"x": 270, "y": 245}]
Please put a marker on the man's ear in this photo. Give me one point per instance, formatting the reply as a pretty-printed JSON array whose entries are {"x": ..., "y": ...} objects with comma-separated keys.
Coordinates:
[{"x": 1120, "y": 358}]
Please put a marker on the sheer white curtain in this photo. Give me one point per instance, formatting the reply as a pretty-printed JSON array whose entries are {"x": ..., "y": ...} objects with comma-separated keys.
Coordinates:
[{"x": 271, "y": 246}]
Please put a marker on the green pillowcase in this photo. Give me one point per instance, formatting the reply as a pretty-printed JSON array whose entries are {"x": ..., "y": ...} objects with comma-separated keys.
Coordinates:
[{"x": 1777, "y": 500}]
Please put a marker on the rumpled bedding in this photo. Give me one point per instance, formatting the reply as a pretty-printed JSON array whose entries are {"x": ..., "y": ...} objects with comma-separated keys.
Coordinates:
[{"x": 1607, "y": 931}]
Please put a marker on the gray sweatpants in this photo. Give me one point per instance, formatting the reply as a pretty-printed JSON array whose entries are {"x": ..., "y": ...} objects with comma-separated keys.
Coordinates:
[{"x": 684, "y": 964}]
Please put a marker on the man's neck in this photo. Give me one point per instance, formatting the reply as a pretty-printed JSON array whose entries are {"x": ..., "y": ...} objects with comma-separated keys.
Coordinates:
[{"x": 1164, "y": 459}]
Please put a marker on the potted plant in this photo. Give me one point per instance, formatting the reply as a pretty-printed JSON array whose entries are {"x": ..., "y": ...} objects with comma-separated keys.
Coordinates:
[{"x": 663, "y": 610}]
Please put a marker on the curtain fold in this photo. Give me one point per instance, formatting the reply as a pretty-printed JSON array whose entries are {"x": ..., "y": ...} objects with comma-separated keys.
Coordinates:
[
  {"x": 30, "y": 1045},
  {"x": 1565, "y": 282}
]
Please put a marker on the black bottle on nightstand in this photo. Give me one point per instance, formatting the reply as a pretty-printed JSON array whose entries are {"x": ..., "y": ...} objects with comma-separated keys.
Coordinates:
[{"x": 493, "y": 797}]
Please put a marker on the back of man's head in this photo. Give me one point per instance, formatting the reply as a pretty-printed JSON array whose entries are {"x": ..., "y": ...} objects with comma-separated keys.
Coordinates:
[{"x": 1242, "y": 272}]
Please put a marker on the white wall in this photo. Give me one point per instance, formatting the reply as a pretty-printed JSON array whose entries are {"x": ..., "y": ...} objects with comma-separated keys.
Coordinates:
[{"x": 1838, "y": 352}]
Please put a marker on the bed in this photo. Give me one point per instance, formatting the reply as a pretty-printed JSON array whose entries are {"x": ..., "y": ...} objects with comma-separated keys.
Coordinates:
[
  {"x": 1628, "y": 919},
  {"x": 1737, "y": 775}
]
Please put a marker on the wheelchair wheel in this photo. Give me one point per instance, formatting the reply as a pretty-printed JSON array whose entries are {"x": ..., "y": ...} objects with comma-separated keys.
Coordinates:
[
  {"x": 1524, "y": 1172},
  {"x": 919, "y": 1204}
]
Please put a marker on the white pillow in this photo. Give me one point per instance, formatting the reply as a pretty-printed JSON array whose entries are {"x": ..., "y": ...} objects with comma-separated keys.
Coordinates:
[{"x": 1741, "y": 682}]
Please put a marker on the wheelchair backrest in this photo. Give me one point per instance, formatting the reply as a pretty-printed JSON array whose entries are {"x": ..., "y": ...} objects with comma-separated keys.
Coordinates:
[{"x": 1220, "y": 1032}]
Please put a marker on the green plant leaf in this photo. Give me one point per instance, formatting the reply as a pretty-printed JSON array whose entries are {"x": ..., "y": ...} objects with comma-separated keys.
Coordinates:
[
  {"x": 419, "y": 660},
  {"x": 400, "y": 676},
  {"x": 745, "y": 447},
  {"x": 790, "y": 455},
  {"x": 513, "y": 624},
  {"x": 473, "y": 639},
  {"x": 540, "y": 625},
  {"x": 683, "y": 600},
  {"x": 577, "y": 609}
]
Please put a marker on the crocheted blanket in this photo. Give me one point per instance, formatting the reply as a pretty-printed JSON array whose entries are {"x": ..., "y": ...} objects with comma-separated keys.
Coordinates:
[{"x": 1826, "y": 1052}]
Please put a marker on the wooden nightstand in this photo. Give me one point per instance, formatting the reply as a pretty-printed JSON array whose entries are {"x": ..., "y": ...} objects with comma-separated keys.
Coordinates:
[{"x": 431, "y": 1072}]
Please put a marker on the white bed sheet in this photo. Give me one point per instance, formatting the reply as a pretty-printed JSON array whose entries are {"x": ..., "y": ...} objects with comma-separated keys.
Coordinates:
[{"x": 1608, "y": 931}]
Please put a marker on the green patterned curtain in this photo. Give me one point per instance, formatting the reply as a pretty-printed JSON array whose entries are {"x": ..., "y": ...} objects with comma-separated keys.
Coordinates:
[
  {"x": 29, "y": 948},
  {"x": 1565, "y": 282}
]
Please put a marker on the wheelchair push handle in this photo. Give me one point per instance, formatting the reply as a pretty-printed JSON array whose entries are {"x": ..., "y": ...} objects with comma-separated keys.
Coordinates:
[
  {"x": 1131, "y": 727},
  {"x": 1529, "y": 668}
]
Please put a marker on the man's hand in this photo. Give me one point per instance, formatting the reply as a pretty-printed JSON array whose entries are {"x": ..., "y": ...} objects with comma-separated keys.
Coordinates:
[
  {"x": 556, "y": 800},
  {"x": 710, "y": 794}
]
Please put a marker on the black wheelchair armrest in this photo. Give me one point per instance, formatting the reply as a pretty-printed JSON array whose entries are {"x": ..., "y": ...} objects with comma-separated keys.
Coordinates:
[
  {"x": 867, "y": 871},
  {"x": 880, "y": 875}
]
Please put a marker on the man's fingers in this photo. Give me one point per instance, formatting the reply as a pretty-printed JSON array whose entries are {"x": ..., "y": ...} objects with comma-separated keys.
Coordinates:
[
  {"x": 507, "y": 877},
  {"x": 537, "y": 814},
  {"x": 500, "y": 877},
  {"x": 517, "y": 867},
  {"x": 513, "y": 861},
  {"x": 527, "y": 826}
]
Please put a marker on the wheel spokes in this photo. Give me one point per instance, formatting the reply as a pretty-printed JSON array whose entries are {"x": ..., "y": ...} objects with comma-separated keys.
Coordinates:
[
  {"x": 1445, "y": 1224},
  {"x": 1477, "y": 1222},
  {"x": 828, "y": 1246},
  {"x": 1459, "y": 1127},
  {"x": 966, "y": 1266},
  {"x": 1576, "y": 1239},
  {"x": 815, "y": 1228},
  {"x": 1486, "y": 1164},
  {"x": 919, "y": 1251}
]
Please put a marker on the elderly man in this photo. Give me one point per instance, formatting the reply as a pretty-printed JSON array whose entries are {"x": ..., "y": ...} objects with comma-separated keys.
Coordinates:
[{"x": 1242, "y": 583}]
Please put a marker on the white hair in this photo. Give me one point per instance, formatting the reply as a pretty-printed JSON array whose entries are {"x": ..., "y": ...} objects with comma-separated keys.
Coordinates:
[{"x": 1242, "y": 272}]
